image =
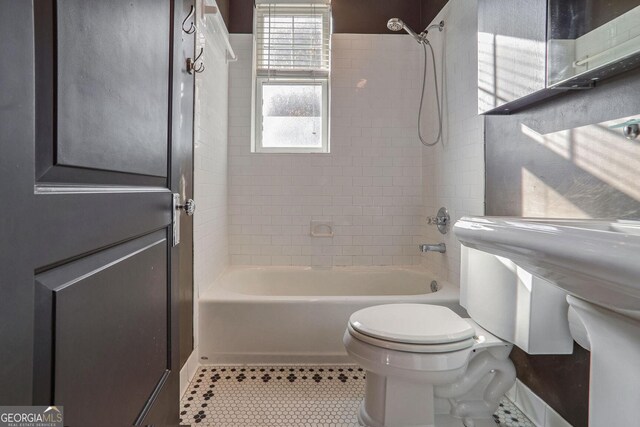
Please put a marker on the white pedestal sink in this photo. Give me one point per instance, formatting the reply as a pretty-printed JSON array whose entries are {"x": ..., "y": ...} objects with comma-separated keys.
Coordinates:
[{"x": 598, "y": 264}]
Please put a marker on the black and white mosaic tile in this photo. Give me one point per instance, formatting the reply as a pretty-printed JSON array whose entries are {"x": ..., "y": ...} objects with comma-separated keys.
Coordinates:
[
  {"x": 509, "y": 415},
  {"x": 287, "y": 395}
]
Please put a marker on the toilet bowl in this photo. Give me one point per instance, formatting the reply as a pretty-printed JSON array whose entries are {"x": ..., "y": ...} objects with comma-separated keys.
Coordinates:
[{"x": 424, "y": 361}]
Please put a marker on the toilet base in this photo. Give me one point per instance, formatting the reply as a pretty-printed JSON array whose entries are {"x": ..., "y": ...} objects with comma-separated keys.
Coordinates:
[
  {"x": 440, "y": 420},
  {"x": 393, "y": 401},
  {"x": 468, "y": 401}
]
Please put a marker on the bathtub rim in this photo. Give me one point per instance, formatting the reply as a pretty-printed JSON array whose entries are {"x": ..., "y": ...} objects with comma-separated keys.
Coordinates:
[{"x": 219, "y": 292}]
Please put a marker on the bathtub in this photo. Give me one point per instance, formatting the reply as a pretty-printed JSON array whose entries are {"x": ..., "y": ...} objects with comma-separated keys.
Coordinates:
[{"x": 298, "y": 314}]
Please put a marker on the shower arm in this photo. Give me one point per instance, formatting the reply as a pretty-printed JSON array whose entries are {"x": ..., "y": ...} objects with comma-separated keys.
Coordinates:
[{"x": 423, "y": 34}]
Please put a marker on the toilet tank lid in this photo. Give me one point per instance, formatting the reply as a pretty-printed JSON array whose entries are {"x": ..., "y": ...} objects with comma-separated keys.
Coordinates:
[{"x": 412, "y": 323}]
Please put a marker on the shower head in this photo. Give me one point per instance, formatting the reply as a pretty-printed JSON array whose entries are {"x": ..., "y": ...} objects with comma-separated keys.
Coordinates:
[{"x": 396, "y": 24}]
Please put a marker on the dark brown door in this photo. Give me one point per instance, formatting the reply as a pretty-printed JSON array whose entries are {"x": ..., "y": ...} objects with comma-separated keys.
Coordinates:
[{"x": 91, "y": 151}]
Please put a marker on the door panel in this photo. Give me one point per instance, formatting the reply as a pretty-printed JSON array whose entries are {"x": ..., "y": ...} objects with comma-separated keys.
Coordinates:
[
  {"x": 127, "y": 130},
  {"x": 101, "y": 310},
  {"x": 102, "y": 90}
]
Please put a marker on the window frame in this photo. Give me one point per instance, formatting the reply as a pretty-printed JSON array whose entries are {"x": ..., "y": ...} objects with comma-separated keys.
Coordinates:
[
  {"x": 292, "y": 77},
  {"x": 261, "y": 81}
]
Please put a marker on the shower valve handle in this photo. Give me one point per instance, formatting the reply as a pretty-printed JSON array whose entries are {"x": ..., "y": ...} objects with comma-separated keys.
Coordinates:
[
  {"x": 437, "y": 221},
  {"x": 442, "y": 220}
]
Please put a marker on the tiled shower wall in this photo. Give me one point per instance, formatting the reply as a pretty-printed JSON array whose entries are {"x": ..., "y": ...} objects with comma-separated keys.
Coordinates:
[
  {"x": 210, "y": 161},
  {"x": 369, "y": 186},
  {"x": 453, "y": 171}
]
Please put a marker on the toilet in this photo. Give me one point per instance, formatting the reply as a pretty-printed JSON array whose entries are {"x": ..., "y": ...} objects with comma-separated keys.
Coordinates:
[
  {"x": 427, "y": 366},
  {"x": 415, "y": 354}
]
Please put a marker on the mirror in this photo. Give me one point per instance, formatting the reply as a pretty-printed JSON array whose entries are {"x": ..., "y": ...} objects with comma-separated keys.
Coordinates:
[
  {"x": 529, "y": 50},
  {"x": 588, "y": 35}
]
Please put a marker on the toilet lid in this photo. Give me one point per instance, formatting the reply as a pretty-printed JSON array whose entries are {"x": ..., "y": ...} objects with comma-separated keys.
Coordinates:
[
  {"x": 412, "y": 324},
  {"x": 413, "y": 348}
]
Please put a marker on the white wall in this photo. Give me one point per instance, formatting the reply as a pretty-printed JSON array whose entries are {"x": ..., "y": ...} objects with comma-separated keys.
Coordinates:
[
  {"x": 369, "y": 186},
  {"x": 453, "y": 172},
  {"x": 210, "y": 223},
  {"x": 210, "y": 160}
]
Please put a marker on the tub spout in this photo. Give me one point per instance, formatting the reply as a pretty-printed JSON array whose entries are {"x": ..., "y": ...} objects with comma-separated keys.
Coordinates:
[{"x": 440, "y": 247}]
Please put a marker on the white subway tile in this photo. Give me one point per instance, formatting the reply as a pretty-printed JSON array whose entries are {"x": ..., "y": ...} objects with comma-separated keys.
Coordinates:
[
  {"x": 211, "y": 120},
  {"x": 453, "y": 171},
  {"x": 369, "y": 187}
]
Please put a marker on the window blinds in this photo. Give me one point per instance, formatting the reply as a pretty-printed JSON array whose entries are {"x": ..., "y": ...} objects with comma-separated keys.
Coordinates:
[{"x": 292, "y": 39}]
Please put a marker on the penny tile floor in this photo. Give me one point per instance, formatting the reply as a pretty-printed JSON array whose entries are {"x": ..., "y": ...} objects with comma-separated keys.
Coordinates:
[{"x": 287, "y": 395}]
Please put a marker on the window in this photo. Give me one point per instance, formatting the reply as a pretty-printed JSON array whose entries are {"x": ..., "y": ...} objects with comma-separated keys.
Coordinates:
[{"x": 292, "y": 61}]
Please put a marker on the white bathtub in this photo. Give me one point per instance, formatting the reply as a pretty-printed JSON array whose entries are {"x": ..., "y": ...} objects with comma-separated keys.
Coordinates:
[{"x": 298, "y": 314}]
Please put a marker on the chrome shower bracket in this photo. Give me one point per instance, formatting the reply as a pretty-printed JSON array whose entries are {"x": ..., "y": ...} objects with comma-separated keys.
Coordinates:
[
  {"x": 442, "y": 220},
  {"x": 439, "y": 26}
]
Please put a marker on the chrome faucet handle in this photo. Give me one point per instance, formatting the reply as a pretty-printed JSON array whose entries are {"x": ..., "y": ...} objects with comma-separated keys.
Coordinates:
[
  {"x": 434, "y": 220},
  {"x": 441, "y": 220}
]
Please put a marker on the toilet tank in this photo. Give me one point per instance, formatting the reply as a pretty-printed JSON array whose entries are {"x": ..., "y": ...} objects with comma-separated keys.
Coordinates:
[{"x": 513, "y": 304}]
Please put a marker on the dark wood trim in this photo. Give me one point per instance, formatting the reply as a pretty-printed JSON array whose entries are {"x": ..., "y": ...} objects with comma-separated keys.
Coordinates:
[
  {"x": 554, "y": 378},
  {"x": 352, "y": 16}
]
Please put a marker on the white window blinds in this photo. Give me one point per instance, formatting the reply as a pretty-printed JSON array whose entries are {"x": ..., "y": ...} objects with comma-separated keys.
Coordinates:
[{"x": 292, "y": 39}]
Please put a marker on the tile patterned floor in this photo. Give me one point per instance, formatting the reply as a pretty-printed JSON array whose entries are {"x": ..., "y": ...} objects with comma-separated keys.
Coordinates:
[
  {"x": 287, "y": 395},
  {"x": 509, "y": 415}
]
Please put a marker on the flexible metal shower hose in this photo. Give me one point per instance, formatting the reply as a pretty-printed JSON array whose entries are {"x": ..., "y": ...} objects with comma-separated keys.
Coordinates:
[{"x": 435, "y": 84}]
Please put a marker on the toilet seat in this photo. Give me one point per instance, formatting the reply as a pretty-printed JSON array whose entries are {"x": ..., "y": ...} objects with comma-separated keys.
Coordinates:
[
  {"x": 411, "y": 348},
  {"x": 417, "y": 328}
]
